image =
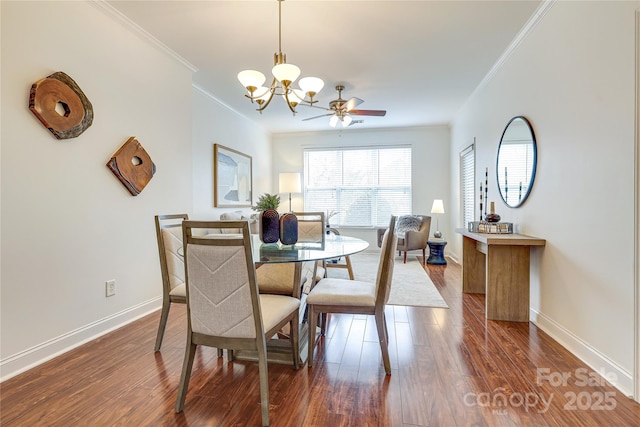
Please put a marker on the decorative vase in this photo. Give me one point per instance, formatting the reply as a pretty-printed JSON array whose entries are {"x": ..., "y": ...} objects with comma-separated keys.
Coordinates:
[
  {"x": 492, "y": 216},
  {"x": 288, "y": 229},
  {"x": 269, "y": 226}
]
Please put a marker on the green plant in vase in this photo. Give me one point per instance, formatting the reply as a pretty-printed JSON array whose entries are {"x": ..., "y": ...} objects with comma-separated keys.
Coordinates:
[
  {"x": 269, "y": 220},
  {"x": 267, "y": 201}
]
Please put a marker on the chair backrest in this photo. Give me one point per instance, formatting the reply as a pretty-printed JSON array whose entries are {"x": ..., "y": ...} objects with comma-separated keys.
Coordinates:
[
  {"x": 385, "y": 264},
  {"x": 425, "y": 227},
  {"x": 169, "y": 236},
  {"x": 222, "y": 293},
  {"x": 310, "y": 226}
]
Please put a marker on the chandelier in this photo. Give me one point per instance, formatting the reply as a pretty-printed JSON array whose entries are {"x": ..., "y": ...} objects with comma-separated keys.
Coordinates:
[{"x": 283, "y": 76}]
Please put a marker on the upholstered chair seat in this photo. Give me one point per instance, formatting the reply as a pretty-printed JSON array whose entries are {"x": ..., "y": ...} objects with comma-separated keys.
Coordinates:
[{"x": 344, "y": 293}]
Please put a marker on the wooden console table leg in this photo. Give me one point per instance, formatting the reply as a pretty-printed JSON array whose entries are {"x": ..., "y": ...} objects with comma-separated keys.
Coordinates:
[
  {"x": 473, "y": 268},
  {"x": 507, "y": 295}
]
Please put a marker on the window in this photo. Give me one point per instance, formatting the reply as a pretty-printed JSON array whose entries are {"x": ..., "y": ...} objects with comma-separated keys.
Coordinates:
[
  {"x": 364, "y": 186},
  {"x": 467, "y": 183}
]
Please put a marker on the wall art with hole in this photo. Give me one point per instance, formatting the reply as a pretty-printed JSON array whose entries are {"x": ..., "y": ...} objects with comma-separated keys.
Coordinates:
[
  {"x": 232, "y": 179},
  {"x": 60, "y": 105},
  {"x": 132, "y": 165}
]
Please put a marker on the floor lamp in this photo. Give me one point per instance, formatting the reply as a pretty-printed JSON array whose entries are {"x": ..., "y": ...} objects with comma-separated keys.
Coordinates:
[
  {"x": 437, "y": 208},
  {"x": 290, "y": 183}
]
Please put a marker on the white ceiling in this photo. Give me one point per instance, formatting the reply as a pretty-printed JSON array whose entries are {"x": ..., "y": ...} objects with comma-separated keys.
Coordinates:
[{"x": 419, "y": 60}]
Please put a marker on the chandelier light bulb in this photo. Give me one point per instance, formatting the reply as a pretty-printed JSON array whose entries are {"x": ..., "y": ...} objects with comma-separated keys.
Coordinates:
[
  {"x": 251, "y": 79},
  {"x": 311, "y": 85},
  {"x": 286, "y": 73}
]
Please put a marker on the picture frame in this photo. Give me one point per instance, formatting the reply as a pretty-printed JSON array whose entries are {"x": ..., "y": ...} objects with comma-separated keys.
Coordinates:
[{"x": 232, "y": 178}]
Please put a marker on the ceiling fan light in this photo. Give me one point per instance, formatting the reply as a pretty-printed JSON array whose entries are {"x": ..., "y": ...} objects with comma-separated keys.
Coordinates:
[
  {"x": 346, "y": 121},
  {"x": 311, "y": 85},
  {"x": 251, "y": 79},
  {"x": 333, "y": 121},
  {"x": 285, "y": 73}
]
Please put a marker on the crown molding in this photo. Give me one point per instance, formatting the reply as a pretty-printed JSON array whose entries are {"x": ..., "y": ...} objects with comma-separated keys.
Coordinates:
[
  {"x": 528, "y": 27},
  {"x": 141, "y": 32}
]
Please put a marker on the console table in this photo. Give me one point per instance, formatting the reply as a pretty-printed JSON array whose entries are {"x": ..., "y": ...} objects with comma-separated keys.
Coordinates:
[{"x": 498, "y": 266}]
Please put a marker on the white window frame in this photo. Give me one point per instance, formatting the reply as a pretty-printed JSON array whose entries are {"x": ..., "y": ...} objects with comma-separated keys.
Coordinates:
[
  {"x": 340, "y": 218},
  {"x": 468, "y": 184}
]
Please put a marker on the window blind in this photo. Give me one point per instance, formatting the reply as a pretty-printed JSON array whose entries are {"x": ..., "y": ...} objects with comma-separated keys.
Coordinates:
[
  {"x": 467, "y": 181},
  {"x": 363, "y": 186}
]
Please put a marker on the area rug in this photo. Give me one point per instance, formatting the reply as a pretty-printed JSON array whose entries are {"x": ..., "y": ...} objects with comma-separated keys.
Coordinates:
[{"x": 410, "y": 285}]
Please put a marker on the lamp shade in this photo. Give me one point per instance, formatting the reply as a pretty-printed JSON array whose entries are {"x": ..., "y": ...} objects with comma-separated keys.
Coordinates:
[
  {"x": 311, "y": 85},
  {"x": 438, "y": 207},
  {"x": 251, "y": 78},
  {"x": 285, "y": 72},
  {"x": 290, "y": 182}
]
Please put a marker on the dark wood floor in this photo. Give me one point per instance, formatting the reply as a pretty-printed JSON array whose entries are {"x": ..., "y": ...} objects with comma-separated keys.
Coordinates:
[{"x": 450, "y": 368}]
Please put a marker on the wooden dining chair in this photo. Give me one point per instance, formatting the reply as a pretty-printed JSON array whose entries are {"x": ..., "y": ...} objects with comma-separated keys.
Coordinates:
[
  {"x": 169, "y": 236},
  {"x": 311, "y": 230},
  {"x": 224, "y": 307},
  {"x": 337, "y": 263},
  {"x": 331, "y": 295}
]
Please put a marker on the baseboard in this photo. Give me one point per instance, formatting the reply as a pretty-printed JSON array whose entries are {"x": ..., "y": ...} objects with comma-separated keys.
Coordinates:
[
  {"x": 619, "y": 377},
  {"x": 34, "y": 356}
]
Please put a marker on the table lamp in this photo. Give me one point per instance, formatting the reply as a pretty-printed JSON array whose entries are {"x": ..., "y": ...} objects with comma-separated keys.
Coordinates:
[
  {"x": 290, "y": 183},
  {"x": 437, "y": 208}
]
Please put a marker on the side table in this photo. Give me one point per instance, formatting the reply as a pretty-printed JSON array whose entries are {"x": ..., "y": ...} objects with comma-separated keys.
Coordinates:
[{"x": 436, "y": 252}]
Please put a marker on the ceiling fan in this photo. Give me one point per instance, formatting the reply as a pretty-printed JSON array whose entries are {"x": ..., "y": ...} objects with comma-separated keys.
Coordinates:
[{"x": 341, "y": 110}]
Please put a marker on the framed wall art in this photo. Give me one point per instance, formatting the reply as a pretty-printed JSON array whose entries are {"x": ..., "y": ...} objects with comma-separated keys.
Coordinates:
[{"x": 232, "y": 178}]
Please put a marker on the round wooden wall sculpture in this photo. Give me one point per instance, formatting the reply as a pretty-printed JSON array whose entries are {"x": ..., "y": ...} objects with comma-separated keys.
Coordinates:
[
  {"x": 61, "y": 106},
  {"x": 132, "y": 165}
]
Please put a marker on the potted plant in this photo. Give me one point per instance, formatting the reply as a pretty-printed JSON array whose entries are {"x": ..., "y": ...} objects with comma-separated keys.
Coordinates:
[
  {"x": 267, "y": 201},
  {"x": 269, "y": 220}
]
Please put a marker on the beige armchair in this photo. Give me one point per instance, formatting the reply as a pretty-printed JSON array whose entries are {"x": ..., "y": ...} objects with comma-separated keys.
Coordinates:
[{"x": 413, "y": 233}]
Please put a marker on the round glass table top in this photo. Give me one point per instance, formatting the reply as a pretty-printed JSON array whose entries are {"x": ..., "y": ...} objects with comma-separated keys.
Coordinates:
[{"x": 331, "y": 246}]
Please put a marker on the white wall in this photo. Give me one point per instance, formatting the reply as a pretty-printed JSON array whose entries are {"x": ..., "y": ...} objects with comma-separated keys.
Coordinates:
[
  {"x": 213, "y": 123},
  {"x": 573, "y": 78},
  {"x": 68, "y": 224},
  {"x": 430, "y": 164}
]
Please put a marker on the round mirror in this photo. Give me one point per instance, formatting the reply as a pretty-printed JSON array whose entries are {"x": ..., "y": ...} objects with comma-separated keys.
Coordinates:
[{"x": 516, "y": 162}]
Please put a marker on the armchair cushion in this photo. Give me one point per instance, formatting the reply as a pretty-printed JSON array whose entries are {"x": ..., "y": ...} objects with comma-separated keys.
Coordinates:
[{"x": 409, "y": 223}]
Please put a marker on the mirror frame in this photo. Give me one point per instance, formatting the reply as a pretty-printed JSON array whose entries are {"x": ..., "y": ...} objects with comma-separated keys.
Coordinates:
[{"x": 535, "y": 161}]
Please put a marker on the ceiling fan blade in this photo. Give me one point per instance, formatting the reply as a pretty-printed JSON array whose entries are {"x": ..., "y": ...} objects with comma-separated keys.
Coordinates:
[
  {"x": 368, "y": 112},
  {"x": 317, "y": 117},
  {"x": 352, "y": 103}
]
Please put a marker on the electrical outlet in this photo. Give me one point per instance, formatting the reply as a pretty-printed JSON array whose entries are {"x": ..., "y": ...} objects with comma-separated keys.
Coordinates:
[{"x": 110, "y": 286}]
